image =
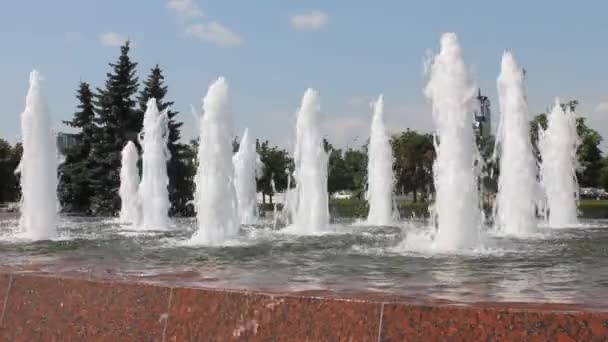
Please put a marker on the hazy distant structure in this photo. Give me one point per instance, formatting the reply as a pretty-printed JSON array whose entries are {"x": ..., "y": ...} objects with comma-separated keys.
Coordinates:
[{"x": 483, "y": 116}]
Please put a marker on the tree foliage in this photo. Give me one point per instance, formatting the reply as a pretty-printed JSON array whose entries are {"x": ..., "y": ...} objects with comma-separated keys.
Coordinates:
[
  {"x": 118, "y": 122},
  {"x": 276, "y": 161},
  {"x": 9, "y": 181},
  {"x": 75, "y": 176},
  {"x": 347, "y": 170},
  {"x": 414, "y": 155},
  {"x": 180, "y": 174},
  {"x": 589, "y": 154}
]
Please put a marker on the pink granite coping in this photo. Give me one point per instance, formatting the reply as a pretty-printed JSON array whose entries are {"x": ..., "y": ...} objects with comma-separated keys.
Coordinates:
[{"x": 41, "y": 307}]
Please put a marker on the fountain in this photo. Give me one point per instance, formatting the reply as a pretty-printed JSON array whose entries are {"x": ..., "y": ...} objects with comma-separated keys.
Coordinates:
[
  {"x": 247, "y": 167},
  {"x": 38, "y": 167},
  {"x": 380, "y": 178},
  {"x": 451, "y": 91},
  {"x": 558, "y": 145},
  {"x": 516, "y": 198},
  {"x": 288, "y": 211},
  {"x": 215, "y": 197},
  {"x": 93, "y": 278},
  {"x": 311, "y": 204},
  {"x": 153, "y": 192},
  {"x": 275, "y": 211},
  {"x": 130, "y": 208}
]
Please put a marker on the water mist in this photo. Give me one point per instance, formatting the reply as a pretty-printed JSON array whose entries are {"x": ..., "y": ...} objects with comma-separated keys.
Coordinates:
[
  {"x": 311, "y": 207},
  {"x": 130, "y": 207},
  {"x": 247, "y": 167},
  {"x": 380, "y": 178},
  {"x": 153, "y": 192},
  {"x": 451, "y": 91},
  {"x": 215, "y": 196},
  {"x": 516, "y": 199},
  {"x": 558, "y": 145},
  {"x": 38, "y": 167}
]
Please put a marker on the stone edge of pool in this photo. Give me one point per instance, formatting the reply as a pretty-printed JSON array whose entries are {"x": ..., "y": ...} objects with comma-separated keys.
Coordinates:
[{"x": 41, "y": 307}]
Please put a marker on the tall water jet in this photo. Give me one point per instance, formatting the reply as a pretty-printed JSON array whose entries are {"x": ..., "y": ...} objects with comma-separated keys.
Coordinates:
[
  {"x": 515, "y": 212},
  {"x": 153, "y": 192},
  {"x": 38, "y": 167},
  {"x": 215, "y": 196},
  {"x": 288, "y": 211},
  {"x": 451, "y": 91},
  {"x": 558, "y": 145},
  {"x": 130, "y": 205},
  {"x": 275, "y": 212},
  {"x": 247, "y": 167},
  {"x": 380, "y": 177},
  {"x": 311, "y": 207}
]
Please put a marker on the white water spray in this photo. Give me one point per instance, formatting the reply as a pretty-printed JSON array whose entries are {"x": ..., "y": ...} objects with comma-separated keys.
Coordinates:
[
  {"x": 312, "y": 211},
  {"x": 380, "y": 178},
  {"x": 130, "y": 208},
  {"x": 558, "y": 146},
  {"x": 153, "y": 192},
  {"x": 247, "y": 167},
  {"x": 452, "y": 91},
  {"x": 516, "y": 199},
  {"x": 275, "y": 211},
  {"x": 288, "y": 211},
  {"x": 38, "y": 167},
  {"x": 215, "y": 197}
]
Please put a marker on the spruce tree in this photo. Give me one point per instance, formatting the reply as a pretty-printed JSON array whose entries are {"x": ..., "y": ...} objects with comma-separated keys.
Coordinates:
[
  {"x": 180, "y": 180},
  {"x": 74, "y": 182},
  {"x": 10, "y": 157},
  {"x": 118, "y": 122}
]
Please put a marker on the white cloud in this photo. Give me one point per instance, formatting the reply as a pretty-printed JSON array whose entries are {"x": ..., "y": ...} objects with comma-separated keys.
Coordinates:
[
  {"x": 602, "y": 107},
  {"x": 188, "y": 11},
  {"x": 312, "y": 21},
  {"x": 215, "y": 33},
  {"x": 185, "y": 9},
  {"x": 73, "y": 37},
  {"x": 112, "y": 39}
]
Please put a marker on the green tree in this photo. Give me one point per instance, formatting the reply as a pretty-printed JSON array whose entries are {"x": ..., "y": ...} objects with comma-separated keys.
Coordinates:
[
  {"x": 9, "y": 160},
  {"x": 118, "y": 122},
  {"x": 190, "y": 162},
  {"x": 180, "y": 185},
  {"x": 356, "y": 164},
  {"x": 414, "y": 155},
  {"x": 538, "y": 122},
  {"x": 603, "y": 178},
  {"x": 490, "y": 169},
  {"x": 347, "y": 170},
  {"x": 275, "y": 161},
  {"x": 236, "y": 144},
  {"x": 338, "y": 175},
  {"x": 75, "y": 173},
  {"x": 589, "y": 155}
]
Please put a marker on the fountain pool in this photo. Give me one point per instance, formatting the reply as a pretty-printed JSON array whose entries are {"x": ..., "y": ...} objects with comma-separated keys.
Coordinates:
[{"x": 555, "y": 265}]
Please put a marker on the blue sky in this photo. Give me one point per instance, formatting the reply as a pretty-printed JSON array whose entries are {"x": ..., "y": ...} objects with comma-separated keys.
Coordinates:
[{"x": 271, "y": 51}]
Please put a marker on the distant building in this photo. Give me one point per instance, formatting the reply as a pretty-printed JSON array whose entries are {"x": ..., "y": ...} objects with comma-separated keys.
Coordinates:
[
  {"x": 65, "y": 141},
  {"x": 483, "y": 116}
]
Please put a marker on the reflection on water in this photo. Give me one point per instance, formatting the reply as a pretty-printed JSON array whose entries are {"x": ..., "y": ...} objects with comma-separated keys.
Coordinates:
[{"x": 562, "y": 265}]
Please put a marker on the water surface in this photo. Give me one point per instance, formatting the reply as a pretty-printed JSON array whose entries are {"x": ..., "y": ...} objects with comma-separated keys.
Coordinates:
[{"x": 555, "y": 265}]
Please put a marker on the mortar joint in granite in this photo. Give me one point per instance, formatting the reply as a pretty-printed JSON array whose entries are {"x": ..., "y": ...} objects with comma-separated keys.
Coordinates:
[
  {"x": 167, "y": 314},
  {"x": 8, "y": 290}
]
